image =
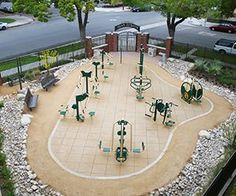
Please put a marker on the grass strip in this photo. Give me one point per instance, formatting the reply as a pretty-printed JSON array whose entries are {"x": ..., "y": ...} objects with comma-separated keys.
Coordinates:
[
  {"x": 34, "y": 58},
  {"x": 7, "y": 20}
]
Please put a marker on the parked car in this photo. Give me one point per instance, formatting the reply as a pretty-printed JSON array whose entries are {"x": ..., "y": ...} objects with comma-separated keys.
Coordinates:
[
  {"x": 225, "y": 46},
  {"x": 225, "y": 27},
  {"x": 3, "y": 25},
  {"x": 6, "y": 7},
  {"x": 145, "y": 8}
]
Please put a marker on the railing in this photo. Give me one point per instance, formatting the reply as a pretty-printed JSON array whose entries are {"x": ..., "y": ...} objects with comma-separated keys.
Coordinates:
[
  {"x": 99, "y": 40},
  {"x": 192, "y": 52},
  {"x": 221, "y": 182}
]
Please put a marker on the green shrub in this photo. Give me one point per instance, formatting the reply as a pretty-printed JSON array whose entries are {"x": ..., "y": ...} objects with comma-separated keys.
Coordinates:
[
  {"x": 6, "y": 183},
  {"x": 1, "y": 104},
  {"x": 31, "y": 74},
  {"x": 227, "y": 77},
  {"x": 230, "y": 135},
  {"x": 215, "y": 68},
  {"x": 200, "y": 65}
]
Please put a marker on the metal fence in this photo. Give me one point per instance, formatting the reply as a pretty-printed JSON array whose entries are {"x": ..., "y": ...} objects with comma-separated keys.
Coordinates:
[
  {"x": 99, "y": 40},
  {"x": 156, "y": 41},
  {"x": 67, "y": 53},
  {"x": 192, "y": 52}
]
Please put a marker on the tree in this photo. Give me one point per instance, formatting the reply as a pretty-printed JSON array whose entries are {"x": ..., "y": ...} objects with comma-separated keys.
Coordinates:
[
  {"x": 48, "y": 57},
  {"x": 70, "y": 9},
  {"x": 176, "y": 11},
  {"x": 227, "y": 7}
]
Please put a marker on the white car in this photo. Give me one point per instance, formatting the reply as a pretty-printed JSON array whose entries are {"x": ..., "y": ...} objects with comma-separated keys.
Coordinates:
[
  {"x": 3, "y": 25},
  {"x": 224, "y": 46}
]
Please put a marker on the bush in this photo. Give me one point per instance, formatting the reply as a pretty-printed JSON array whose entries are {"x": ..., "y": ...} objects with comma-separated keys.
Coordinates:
[
  {"x": 6, "y": 183},
  {"x": 200, "y": 65},
  {"x": 1, "y": 104},
  {"x": 215, "y": 68},
  {"x": 32, "y": 74}
]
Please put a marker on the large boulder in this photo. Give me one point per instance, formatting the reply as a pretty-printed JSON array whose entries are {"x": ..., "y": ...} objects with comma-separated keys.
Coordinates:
[
  {"x": 204, "y": 133},
  {"x": 26, "y": 119}
]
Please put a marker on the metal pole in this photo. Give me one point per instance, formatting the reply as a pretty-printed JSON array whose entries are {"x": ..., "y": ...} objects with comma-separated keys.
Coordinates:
[
  {"x": 155, "y": 112},
  {"x": 87, "y": 85},
  {"x": 141, "y": 60},
  {"x": 103, "y": 52},
  {"x": 120, "y": 55},
  {"x": 77, "y": 110},
  {"x": 18, "y": 72}
]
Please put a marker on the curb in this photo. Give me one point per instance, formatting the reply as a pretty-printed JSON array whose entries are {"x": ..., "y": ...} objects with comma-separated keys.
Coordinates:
[{"x": 17, "y": 25}]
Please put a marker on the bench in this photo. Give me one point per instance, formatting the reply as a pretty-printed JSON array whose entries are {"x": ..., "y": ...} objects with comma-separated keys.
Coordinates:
[
  {"x": 48, "y": 81},
  {"x": 14, "y": 80},
  {"x": 31, "y": 100}
]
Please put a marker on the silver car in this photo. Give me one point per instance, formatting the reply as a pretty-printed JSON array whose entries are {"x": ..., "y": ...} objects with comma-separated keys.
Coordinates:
[{"x": 3, "y": 25}]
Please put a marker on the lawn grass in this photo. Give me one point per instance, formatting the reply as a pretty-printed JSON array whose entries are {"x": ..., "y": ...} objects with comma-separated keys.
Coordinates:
[
  {"x": 210, "y": 54},
  {"x": 69, "y": 48},
  {"x": 33, "y": 58},
  {"x": 7, "y": 20},
  {"x": 13, "y": 63}
]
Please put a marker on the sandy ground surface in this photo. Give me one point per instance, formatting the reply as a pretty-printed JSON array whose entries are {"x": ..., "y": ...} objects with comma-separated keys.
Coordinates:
[
  {"x": 179, "y": 151},
  {"x": 5, "y": 90}
]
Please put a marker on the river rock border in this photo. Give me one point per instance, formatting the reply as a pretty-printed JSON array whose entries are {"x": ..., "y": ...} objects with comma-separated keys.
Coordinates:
[
  {"x": 15, "y": 126},
  {"x": 208, "y": 152},
  {"x": 210, "y": 146}
]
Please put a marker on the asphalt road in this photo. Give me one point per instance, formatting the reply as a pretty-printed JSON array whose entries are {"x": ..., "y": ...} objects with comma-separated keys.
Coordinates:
[{"x": 37, "y": 35}]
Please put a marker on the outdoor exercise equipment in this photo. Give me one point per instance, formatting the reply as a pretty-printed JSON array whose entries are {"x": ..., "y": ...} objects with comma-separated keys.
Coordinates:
[
  {"x": 96, "y": 64},
  {"x": 79, "y": 98},
  {"x": 103, "y": 53},
  {"x": 140, "y": 84},
  {"x": 191, "y": 89},
  {"x": 121, "y": 152},
  {"x": 86, "y": 75},
  {"x": 63, "y": 110},
  {"x": 141, "y": 60},
  {"x": 163, "y": 108},
  {"x": 95, "y": 89}
]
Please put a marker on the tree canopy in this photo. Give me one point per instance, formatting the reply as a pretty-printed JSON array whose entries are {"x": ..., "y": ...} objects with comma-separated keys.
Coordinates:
[
  {"x": 176, "y": 11},
  {"x": 70, "y": 9}
]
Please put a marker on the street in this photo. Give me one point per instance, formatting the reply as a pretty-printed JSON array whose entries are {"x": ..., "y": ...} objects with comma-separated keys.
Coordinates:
[{"x": 38, "y": 35}]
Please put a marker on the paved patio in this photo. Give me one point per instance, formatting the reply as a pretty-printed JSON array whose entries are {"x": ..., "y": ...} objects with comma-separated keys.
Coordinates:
[{"x": 74, "y": 145}]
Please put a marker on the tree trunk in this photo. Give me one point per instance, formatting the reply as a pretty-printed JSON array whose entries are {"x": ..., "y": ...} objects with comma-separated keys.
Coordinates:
[
  {"x": 171, "y": 30},
  {"x": 82, "y": 24},
  {"x": 171, "y": 24},
  {"x": 82, "y": 31}
]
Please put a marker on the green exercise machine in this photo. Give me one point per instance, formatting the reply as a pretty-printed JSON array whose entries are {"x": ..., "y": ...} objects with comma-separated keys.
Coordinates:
[
  {"x": 191, "y": 89},
  {"x": 121, "y": 152},
  {"x": 140, "y": 84},
  {"x": 78, "y": 99},
  {"x": 86, "y": 75},
  {"x": 164, "y": 110}
]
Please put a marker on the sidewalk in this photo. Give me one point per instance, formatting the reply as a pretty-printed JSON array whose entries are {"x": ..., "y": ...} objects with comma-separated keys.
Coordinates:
[
  {"x": 199, "y": 22},
  {"x": 115, "y": 9},
  {"x": 20, "y": 20}
]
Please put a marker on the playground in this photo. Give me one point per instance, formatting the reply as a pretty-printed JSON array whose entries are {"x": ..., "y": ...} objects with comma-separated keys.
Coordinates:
[{"x": 122, "y": 128}]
